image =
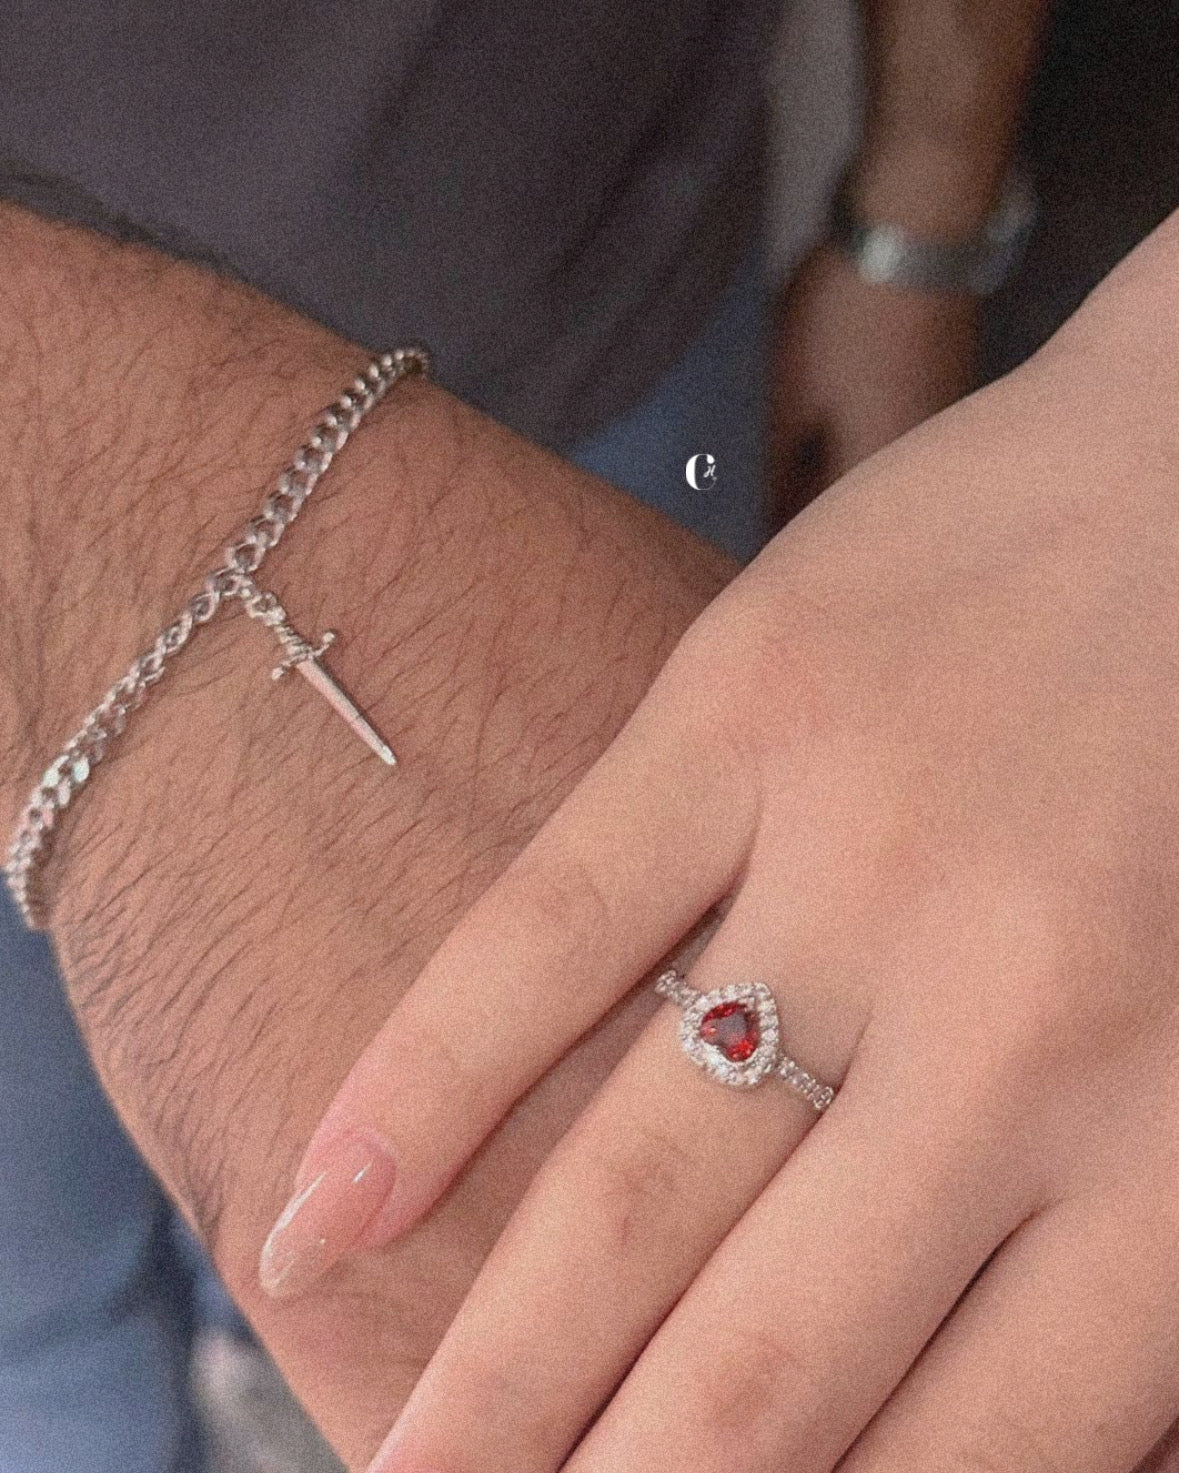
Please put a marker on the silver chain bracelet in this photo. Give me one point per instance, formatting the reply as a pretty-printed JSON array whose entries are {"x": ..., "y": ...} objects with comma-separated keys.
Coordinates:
[{"x": 71, "y": 769}]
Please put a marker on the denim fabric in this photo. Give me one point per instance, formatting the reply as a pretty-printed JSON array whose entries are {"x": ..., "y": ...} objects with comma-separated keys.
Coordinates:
[
  {"x": 712, "y": 402},
  {"x": 95, "y": 1316}
]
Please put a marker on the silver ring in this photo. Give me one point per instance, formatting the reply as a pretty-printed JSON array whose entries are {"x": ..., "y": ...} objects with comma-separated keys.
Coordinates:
[{"x": 732, "y": 1034}]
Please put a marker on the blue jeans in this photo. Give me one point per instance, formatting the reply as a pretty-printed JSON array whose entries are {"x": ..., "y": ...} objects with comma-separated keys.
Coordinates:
[
  {"x": 95, "y": 1307},
  {"x": 96, "y": 1293},
  {"x": 711, "y": 403}
]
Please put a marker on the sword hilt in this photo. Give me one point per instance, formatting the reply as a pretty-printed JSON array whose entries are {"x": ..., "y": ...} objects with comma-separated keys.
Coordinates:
[{"x": 298, "y": 649}]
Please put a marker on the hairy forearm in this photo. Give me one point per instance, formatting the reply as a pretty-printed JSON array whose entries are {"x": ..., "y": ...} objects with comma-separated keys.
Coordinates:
[
  {"x": 144, "y": 406},
  {"x": 946, "y": 81},
  {"x": 242, "y": 891}
]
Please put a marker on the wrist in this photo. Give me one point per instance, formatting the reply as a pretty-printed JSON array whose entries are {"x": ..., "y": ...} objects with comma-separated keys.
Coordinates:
[
  {"x": 254, "y": 892},
  {"x": 932, "y": 190},
  {"x": 154, "y": 403},
  {"x": 245, "y": 892},
  {"x": 240, "y": 826}
]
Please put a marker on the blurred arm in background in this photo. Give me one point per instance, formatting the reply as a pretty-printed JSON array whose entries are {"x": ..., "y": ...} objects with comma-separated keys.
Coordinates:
[{"x": 856, "y": 364}]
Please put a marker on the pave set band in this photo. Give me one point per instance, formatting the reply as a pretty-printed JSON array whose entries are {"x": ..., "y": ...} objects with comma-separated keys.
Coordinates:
[{"x": 732, "y": 1033}]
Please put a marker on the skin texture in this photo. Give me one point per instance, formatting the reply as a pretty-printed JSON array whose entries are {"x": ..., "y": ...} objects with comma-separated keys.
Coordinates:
[
  {"x": 221, "y": 1058},
  {"x": 241, "y": 899},
  {"x": 244, "y": 893},
  {"x": 923, "y": 750}
]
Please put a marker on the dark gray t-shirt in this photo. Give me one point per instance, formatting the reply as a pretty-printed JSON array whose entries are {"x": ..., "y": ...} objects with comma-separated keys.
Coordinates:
[{"x": 550, "y": 193}]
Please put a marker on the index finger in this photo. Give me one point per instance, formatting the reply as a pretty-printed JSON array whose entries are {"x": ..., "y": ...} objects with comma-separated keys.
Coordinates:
[{"x": 643, "y": 846}]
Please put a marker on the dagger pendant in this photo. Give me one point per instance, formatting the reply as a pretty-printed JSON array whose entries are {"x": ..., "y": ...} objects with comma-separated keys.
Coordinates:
[{"x": 306, "y": 658}]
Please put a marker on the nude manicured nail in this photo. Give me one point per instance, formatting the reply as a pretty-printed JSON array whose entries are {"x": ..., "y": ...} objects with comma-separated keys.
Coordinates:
[{"x": 326, "y": 1217}]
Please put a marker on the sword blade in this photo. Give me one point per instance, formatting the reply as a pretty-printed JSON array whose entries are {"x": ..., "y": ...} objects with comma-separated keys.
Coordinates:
[{"x": 342, "y": 703}]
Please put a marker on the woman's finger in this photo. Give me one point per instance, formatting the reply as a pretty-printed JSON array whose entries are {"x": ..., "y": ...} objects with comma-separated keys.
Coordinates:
[
  {"x": 616, "y": 1225},
  {"x": 1065, "y": 1354},
  {"x": 637, "y": 853},
  {"x": 824, "y": 1294}
]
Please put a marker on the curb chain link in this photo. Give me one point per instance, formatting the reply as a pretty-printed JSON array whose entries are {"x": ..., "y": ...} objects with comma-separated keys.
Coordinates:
[{"x": 72, "y": 768}]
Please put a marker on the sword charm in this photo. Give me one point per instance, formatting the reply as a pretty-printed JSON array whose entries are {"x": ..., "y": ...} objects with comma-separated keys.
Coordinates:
[
  {"x": 308, "y": 665},
  {"x": 305, "y": 657}
]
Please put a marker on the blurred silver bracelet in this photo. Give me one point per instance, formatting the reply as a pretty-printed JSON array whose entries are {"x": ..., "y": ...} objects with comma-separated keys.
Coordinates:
[
  {"x": 234, "y": 581},
  {"x": 886, "y": 254}
]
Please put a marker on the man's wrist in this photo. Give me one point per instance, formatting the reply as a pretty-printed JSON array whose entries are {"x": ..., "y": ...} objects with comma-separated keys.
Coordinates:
[
  {"x": 252, "y": 891},
  {"x": 152, "y": 403}
]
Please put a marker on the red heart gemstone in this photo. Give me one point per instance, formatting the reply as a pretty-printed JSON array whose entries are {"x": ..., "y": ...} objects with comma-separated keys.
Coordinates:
[{"x": 733, "y": 1028}]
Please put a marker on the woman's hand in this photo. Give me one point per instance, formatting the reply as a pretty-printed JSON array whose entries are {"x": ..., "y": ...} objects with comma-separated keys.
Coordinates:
[
  {"x": 925, "y": 752},
  {"x": 854, "y": 365}
]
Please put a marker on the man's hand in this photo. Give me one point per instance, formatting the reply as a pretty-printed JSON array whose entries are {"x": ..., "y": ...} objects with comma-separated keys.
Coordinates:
[{"x": 243, "y": 892}]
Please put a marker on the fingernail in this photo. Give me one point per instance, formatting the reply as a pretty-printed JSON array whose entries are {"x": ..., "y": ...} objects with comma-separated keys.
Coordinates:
[{"x": 325, "y": 1218}]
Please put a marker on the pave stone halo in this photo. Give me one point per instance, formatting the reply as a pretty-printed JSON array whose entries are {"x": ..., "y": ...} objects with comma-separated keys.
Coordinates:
[{"x": 732, "y": 1033}]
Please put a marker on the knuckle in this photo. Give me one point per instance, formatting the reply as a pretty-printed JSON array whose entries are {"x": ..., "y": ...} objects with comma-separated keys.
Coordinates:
[
  {"x": 558, "y": 895},
  {"x": 639, "y": 1188},
  {"x": 763, "y": 1388},
  {"x": 420, "y": 1098},
  {"x": 742, "y": 719},
  {"x": 997, "y": 1435},
  {"x": 779, "y": 679}
]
